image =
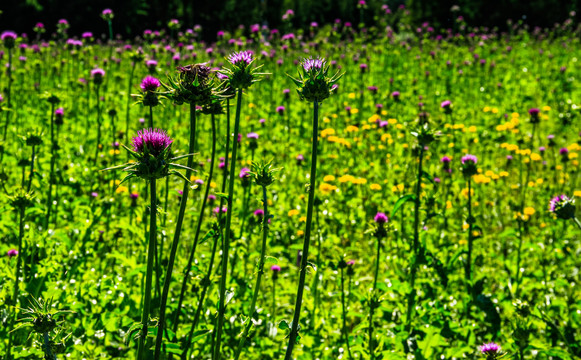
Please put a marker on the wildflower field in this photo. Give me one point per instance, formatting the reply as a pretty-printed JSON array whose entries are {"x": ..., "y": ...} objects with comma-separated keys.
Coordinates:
[{"x": 394, "y": 193}]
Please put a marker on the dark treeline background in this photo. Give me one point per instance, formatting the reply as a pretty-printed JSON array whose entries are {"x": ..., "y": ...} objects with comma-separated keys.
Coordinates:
[{"x": 134, "y": 16}]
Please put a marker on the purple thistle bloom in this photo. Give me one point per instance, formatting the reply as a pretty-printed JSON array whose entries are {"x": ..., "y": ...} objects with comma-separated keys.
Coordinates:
[
  {"x": 469, "y": 159},
  {"x": 300, "y": 157},
  {"x": 12, "y": 253},
  {"x": 275, "y": 268},
  {"x": 395, "y": 94},
  {"x": 217, "y": 210},
  {"x": 134, "y": 196},
  {"x": 151, "y": 63},
  {"x": 241, "y": 59},
  {"x": 351, "y": 262},
  {"x": 149, "y": 83},
  {"x": 60, "y": 112},
  {"x": 154, "y": 141},
  {"x": 212, "y": 197},
  {"x": 380, "y": 218},
  {"x": 490, "y": 348},
  {"x": 280, "y": 110},
  {"x": 94, "y": 194},
  {"x": 313, "y": 64},
  {"x": 97, "y": 73},
  {"x": 564, "y": 151},
  {"x": 259, "y": 213},
  {"x": 445, "y": 159},
  {"x": 87, "y": 35},
  {"x": 244, "y": 173},
  {"x": 534, "y": 112},
  {"x": 252, "y": 135},
  {"x": 107, "y": 12},
  {"x": 8, "y": 35},
  {"x": 445, "y": 104},
  {"x": 556, "y": 200}
]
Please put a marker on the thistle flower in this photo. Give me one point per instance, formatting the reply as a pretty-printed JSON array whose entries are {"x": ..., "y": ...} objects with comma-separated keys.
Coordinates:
[
  {"x": 563, "y": 207},
  {"x": 259, "y": 213},
  {"x": 447, "y": 106},
  {"x": 252, "y": 140},
  {"x": 150, "y": 97},
  {"x": 9, "y": 39},
  {"x": 313, "y": 83},
  {"x": 490, "y": 350},
  {"x": 446, "y": 163},
  {"x": 242, "y": 74},
  {"x": 380, "y": 218},
  {"x": 107, "y": 15},
  {"x": 12, "y": 253},
  {"x": 469, "y": 165},
  {"x": 152, "y": 150},
  {"x": 98, "y": 75},
  {"x": 534, "y": 113}
]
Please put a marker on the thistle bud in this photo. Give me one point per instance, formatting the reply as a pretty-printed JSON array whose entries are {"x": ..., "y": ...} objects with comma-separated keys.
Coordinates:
[
  {"x": 313, "y": 83},
  {"x": 263, "y": 173}
]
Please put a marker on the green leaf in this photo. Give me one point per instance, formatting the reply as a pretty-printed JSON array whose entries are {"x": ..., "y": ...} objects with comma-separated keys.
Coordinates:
[
  {"x": 402, "y": 200},
  {"x": 270, "y": 260},
  {"x": 283, "y": 325},
  {"x": 199, "y": 334}
]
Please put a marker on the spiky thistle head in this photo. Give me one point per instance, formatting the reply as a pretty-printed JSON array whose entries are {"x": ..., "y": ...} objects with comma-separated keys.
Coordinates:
[
  {"x": 107, "y": 15},
  {"x": 242, "y": 74},
  {"x": 469, "y": 165},
  {"x": 149, "y": 96},
  {"x": 193, "y": 85},
  {"x": 314, "y": 83},
  {"x": 9, "y": 39},
  {"x": 33, "y": 137},
  {"x": 21, "y": 199},
  {"x": 152, "y": 152},
  {"x": 263, "y": 172},
  {"x": 563, "y": 207}
]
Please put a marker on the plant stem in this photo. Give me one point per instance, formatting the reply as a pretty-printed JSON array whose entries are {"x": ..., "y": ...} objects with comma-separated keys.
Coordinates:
[
  {"x": 468, "y": 270},
  {"x": 52, "y": 163},
  {"x": 372, "y": 300},
  {"x": 344, "y": 314},
  {"x": 305, "y": 255},
  {"x": 148, "y": 277},
  {"x": 8, "y": 95},
  {"x": 198, "y": 228},
  {"x": 259, "y": 275},
  {"x": 414, "y": 268},
  {"x": 127, "y": 105},
  {"x": 226, "y": 243},
  {"x": 98, "y": 126},
  {"x": 14, "y": 299},
  {"x": 31, "y": 169},
  {"x": 176, "y": 238}
]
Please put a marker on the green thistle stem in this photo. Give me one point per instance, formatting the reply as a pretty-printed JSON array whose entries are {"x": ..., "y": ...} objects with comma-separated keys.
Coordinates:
[
  {"x": 259, "y": 275},
  {"x": 303, "y": 271},
  {"x": 98, "y": 126},
  {"x": 414, "y": 266},
  {"x": 468, "y": 269},
  {"x": 30, "y": 177},
  {"x": 226, "y": 243},
  {"x": 343, "y": 313},
  {"x": 198, "y": 228},
  {"x": 8, "y": 97},
  {"x": 16, "y": 279},
  {"x": 176, "y": 238},
  {"x": 52, "y": 163},
  {"x": 149, "y": 274},
  {"x": 372, "y": 300}
]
